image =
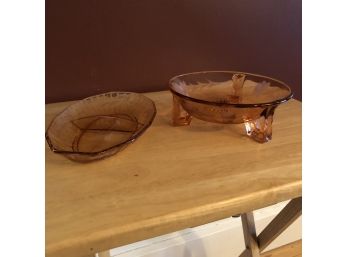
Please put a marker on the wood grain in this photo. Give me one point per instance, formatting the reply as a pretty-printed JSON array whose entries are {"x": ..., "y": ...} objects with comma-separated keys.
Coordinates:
[
  {"x": 282, "y": 221},
  {"x": 169, "y": 179},
  {"x": 246, "y": 253},
  {"x": 249, "y": 232},
  {"x": 290, "y": 250}
]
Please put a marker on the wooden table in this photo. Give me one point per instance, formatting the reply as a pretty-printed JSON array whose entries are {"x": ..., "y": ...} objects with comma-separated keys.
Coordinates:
[{"x": 172, "y": 178}]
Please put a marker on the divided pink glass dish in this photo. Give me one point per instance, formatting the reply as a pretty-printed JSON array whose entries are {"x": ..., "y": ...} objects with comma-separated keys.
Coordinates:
[
  {"x": 229, "y": 97},
  {"x": 100, "y": 126}
]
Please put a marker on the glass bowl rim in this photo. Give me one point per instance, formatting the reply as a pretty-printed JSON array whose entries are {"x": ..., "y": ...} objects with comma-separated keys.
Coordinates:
[
  {"x": 129, "y": 140},
  {"x": 238, "y": 105}
]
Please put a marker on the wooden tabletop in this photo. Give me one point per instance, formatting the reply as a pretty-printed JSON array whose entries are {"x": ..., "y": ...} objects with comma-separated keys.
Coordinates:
[{"x": 169, "y": 179}]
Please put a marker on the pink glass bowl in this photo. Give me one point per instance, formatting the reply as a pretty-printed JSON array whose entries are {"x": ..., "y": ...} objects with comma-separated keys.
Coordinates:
[
  {"x": 100, "y": 126},
  {"x": 229, "y": 97}
]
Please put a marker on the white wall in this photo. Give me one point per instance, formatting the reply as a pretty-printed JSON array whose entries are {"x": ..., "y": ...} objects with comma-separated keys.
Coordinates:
[{"x": 223, "y": 238}]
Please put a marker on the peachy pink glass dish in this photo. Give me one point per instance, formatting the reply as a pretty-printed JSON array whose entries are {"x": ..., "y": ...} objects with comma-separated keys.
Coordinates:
[
  {"x": 100, "y": 126},
  {"x": 229, "y": 97}
]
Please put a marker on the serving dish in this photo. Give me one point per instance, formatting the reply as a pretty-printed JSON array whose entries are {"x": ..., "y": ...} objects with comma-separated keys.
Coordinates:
[
  {"x": 229, "y": 97},
  {"x": 100, "y": 126}
]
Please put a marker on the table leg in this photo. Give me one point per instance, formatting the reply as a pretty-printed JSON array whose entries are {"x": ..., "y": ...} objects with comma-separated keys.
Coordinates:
[
  {"x": 250, "y": 237},
  {"x": 256, "y": 244}
]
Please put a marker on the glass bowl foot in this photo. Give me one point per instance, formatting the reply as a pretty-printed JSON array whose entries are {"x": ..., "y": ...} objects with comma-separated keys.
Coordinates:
[
  {"x": 260, "y": 129},
  {"x": 180, "y": 116}
]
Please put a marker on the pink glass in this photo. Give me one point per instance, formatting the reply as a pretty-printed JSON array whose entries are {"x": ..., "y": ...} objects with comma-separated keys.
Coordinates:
[
  {"x": 229, "y": 97},
  {"x": 100, "y": 126}
]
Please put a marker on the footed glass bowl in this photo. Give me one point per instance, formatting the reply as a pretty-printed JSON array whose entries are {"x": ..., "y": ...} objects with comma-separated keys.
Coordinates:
[
  {"x": 229, "y": 97},
  {"x": 100, "y": 126}
]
